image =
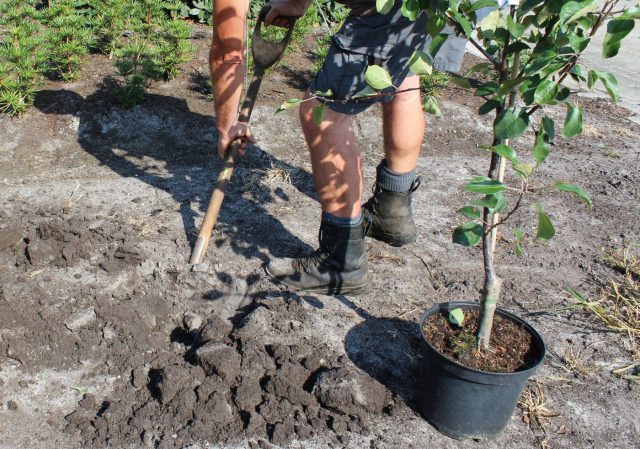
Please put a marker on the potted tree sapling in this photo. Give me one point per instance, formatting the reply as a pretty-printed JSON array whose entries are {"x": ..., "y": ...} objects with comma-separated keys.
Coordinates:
[{"x": 478, "y": 357}]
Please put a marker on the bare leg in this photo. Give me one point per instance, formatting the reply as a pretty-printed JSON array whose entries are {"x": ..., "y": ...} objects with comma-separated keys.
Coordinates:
[
  {"x": 403, "y": 127},
  {"x": 335, "y": 159}
]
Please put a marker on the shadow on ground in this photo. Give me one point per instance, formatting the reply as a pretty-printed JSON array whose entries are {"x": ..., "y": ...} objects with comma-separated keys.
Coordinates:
[{"x": 165, "y": 145}]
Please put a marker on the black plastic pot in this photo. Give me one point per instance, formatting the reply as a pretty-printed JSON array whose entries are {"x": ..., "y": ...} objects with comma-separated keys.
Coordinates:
[{"x": 463, "y": 402}]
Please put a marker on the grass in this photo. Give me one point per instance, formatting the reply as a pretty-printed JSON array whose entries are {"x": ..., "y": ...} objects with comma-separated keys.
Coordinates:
[
  {"x": 536, "y": 413},
  {"x": 618, "y": 305},
  {"x": 576, "y": 363}
]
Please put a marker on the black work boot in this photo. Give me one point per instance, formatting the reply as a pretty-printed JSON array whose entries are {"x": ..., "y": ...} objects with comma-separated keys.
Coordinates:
[
  {"x": 338, "y": 266},
  {"x": 389, "y": 216}
]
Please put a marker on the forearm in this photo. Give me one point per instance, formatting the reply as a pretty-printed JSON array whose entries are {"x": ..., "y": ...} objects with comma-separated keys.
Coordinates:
[
  {"x": 227, "y": 76},
  {"x": 226, "y": 59}
]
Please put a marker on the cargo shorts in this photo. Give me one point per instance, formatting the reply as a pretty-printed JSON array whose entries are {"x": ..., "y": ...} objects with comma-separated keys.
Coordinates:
[{"x": 387, "y": 40}]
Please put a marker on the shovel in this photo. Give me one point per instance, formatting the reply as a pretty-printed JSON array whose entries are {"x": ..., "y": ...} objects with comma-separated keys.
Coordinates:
[{"x": 265, "y": 54}]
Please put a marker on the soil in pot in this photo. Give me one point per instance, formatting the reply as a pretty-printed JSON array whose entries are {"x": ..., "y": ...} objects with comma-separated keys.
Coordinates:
[{"x": 509, "y": 351}]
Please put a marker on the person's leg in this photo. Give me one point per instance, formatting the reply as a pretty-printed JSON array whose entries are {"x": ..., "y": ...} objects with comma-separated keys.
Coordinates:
[
  {"x": 388, "y": 212},
  {"x": 403, "y": 127},
  {"x": 335, "y": 160},
  {"x": 339, "y": 265}
]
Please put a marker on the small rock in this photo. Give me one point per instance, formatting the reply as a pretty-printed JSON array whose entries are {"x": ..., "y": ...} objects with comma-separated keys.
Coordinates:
[
  {"x": 81, "y": 319},
  {"x": 12, "y": 405},
  {"x": 172, "y": 379},
  {"x": 9, "y": 238},
  {"x": 215, "y": 329},
  {"x": 200, "y": 267},
  {"x": 108, "y": 333},
  {"x": 140, "y": 377},
  {"x": 350, "y": 391},
  {"x": 97, "y": 224},
  {"x": 283, "y": 433},
  {"x": 218, "y": 358},
  {"x": 192, "y": 321}
]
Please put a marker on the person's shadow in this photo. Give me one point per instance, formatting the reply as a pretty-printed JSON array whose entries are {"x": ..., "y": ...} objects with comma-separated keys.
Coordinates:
[
  {"x": 164, "y": 144},
  {"x": 389, "y": 350}
]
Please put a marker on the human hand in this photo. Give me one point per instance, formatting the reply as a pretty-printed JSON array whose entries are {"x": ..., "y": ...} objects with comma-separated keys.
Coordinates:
[
  {"x": 281, "y": 9},
  {"x": 238, "y": 130}
]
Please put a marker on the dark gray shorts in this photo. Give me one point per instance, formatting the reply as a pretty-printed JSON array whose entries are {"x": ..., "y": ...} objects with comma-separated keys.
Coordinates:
[{"x": 386, "y": 40}]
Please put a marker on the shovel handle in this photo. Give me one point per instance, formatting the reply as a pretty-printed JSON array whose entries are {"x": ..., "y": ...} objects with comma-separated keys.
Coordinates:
[{"x": 211, "y": 217}]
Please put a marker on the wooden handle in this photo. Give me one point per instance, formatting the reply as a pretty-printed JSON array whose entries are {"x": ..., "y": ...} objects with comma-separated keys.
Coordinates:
[{"x": 211, "y": 217}]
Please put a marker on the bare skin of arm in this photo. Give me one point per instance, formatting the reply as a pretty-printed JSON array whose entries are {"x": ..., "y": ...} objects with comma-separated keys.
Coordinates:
[{"x": 227, "y": 66}]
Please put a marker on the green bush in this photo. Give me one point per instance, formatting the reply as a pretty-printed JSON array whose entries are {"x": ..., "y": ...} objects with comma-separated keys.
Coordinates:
[{"x": 21, "y": 56}]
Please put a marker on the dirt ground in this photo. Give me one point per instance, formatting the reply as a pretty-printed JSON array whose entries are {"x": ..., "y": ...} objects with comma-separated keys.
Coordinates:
[{"x": 108, "y": 338}]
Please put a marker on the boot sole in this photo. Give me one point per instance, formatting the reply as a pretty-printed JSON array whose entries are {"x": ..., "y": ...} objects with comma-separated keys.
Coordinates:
[
  {"x": 344, "y": 290},
  {"x": 392, "y": 240}
]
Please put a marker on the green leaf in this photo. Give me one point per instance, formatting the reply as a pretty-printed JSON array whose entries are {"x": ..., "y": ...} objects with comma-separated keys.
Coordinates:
[
  {"x": 437, "y": 42},
  {"x": 632, "y": 13},
  {"x": 461, "y": 81},
  {"x": 489, "y": 106},
  {"x": 524, "y": 170},
  {"x": 573, "y": 121},
  {"x": 410, "y": 9},
  {"x": 486, "y": 89},
  {"x": 546, "y": 231},
  {"x": 377, "y": 77},
  {"x": 456, "y": 317},
  {"x": 509, "y": 85},
  {"x": 541, "y": 148},
  {"x": 470, "y": 212},
  {"x": 549, "y": 127},
  {"x": 578, "y": 43},
  {"x": 366, "y": 92},
  {"x": 545, "y": 92},
  {"x": 491, "y": 21},
  {"x": 484, "y": 185},
  {"x": 384, "y": 6},
  {"x": 435, "y": 25},
  {"x": 430, "y": 106},
  {"x": 563, "y": 94},
  {"x": 584, "y": 196},
  {"x": 469, "y": 234},
  {"x": 479, "y": 4},
  {"x": 420, "y": 63},
  {"x": 539, "y": 61},
  {"x": 519, "y": 235},
  {"x": 574, "y": 10},
  {"x": 617, "y": 29},
  {"x": 462, "y": 21},
  {"x": 515, "y": 29},
  {"x": 289, "y": 104},
  {"x": 318, "y": 113},
  {"x": 608, "y": 80},
  {"x": 496, "y": 202},
  {"x": 505, "y": 151},
  {"x": 328, "y": 93},
  {"x": 511, "y": 123}
]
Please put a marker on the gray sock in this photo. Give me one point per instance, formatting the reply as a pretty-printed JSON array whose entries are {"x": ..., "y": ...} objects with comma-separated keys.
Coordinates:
[
  {"x": 340, "y": 221},
  {"x": 393, "y": 181}
]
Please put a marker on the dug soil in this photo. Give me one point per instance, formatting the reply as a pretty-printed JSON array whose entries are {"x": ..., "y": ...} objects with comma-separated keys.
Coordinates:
[
  {"x": 510, "y": 347},
  {"x": 109, "y": 339}
]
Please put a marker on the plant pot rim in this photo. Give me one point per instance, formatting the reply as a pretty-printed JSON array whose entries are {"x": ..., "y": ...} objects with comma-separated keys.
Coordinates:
[{"x": 538, "y": 340}]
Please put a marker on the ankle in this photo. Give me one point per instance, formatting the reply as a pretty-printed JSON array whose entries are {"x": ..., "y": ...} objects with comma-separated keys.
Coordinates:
[{"x": 393, "y": 181}]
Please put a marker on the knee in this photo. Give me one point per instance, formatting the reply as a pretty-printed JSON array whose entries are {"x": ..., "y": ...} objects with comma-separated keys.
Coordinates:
[{"x": 306, "y": 109}]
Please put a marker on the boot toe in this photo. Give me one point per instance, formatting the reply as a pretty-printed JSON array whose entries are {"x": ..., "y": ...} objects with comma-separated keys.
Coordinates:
[{"x": 280, "y": 267}]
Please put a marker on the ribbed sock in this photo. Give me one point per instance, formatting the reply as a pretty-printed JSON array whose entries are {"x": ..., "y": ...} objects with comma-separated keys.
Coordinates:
[
  {"x": 393, "y": 181},
  {"x": 340, "y": 221}
]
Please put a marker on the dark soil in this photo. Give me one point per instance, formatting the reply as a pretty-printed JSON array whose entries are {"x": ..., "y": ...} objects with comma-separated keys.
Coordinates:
[{"x": 510, "y": 344}]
